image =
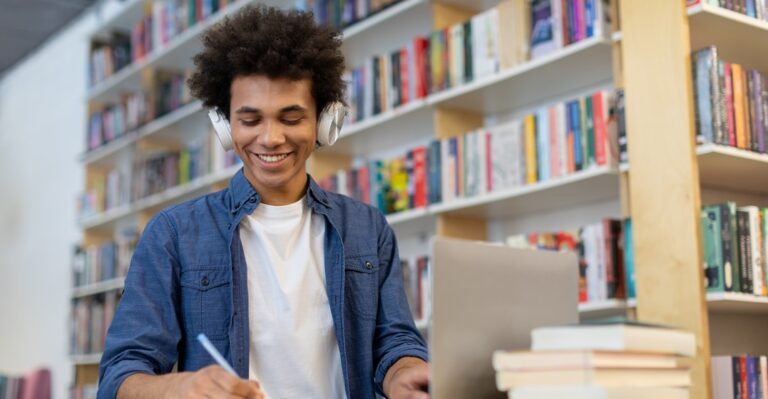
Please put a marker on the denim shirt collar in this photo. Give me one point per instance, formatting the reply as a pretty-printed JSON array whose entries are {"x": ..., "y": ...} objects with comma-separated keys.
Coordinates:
[{"x": 242, "y": 193}]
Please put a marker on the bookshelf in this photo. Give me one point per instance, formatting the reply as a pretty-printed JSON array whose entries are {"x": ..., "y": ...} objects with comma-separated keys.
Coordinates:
[{"x": 614, "y": 59}]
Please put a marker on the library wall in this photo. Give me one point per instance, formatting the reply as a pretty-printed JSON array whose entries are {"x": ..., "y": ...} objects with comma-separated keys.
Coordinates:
[{"x": 41, "y": 136}]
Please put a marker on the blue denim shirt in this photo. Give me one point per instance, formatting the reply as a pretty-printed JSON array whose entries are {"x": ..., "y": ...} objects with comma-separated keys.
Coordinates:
[{"x": 188, "y": 275}]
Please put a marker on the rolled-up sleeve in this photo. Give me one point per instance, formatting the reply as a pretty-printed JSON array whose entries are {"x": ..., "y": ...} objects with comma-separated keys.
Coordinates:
[
  {"x": 145, "y": 332},
  {"x": 396, "y": 334}
]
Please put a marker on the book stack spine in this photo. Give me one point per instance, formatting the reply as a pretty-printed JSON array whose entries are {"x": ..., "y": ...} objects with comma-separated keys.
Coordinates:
[
  {"x": 340, "y": 14},
  {"x": 731, "y": 102},
  {"x": 752, "y": 8},
  {"x": 416, "y": 277},
  {"x": 94, "y": 263},
  {"x": 559, "y": 23}
]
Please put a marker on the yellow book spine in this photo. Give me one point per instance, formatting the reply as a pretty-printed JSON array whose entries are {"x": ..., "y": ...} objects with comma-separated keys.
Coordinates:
[
  {"x": 530, "y": 149},
  {"x": 738, "y": 106}
]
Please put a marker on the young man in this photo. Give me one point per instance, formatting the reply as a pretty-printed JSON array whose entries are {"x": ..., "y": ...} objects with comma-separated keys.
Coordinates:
[{"x": 300, "y": 289}]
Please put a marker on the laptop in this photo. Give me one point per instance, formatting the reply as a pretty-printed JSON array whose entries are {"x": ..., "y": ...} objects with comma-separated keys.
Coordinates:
[{"x": 487, "y": 297}]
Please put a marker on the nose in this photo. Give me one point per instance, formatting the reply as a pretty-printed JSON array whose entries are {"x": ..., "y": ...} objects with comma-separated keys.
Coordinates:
[{"x": 271, "y": 135}]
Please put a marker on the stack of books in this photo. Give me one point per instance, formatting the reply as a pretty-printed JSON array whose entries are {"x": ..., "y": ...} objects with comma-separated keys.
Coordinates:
[{"x": 598, "y": 361}]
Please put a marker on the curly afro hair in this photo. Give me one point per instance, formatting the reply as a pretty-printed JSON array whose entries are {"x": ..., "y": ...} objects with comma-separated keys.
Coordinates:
[{"x": 269, "y": 41}]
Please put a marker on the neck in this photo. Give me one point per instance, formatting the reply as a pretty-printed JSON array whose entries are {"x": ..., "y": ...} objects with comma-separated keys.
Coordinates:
[{"x": 283, "y": 195}]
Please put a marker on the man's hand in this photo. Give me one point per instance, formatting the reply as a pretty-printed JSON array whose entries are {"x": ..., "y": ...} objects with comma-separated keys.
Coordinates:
[
  {"x": 408, "y": 378},
  {"x": 210, "y": 382}
]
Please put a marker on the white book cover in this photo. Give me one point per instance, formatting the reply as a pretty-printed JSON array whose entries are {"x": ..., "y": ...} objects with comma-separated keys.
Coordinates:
[
  {"x": 502, "y": 155},
  {"x": 389, "y": 83},
  {"x": 601, "y": 24},
  {"x": 519, "y": 159},
  {"x": 457, "y": 54},
  {"x": 755, "y": 233},
  {"x": 494, "y": 49},
  {"x": 557, "y": 25},
  {"x": 597, "y": 392},
  {"x": 478, "y": 48},
  {"x": 587, "y": 238},
  {"x": 602, "y": 262},
  {"x": 341, "y": 182}
]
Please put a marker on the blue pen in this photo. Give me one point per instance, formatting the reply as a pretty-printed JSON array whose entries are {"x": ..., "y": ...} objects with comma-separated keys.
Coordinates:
[{"x": 215, "y": 354}]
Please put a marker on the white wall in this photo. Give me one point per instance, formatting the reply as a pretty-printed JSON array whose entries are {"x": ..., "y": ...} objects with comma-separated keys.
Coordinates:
[{"x": 42, "y": 131}]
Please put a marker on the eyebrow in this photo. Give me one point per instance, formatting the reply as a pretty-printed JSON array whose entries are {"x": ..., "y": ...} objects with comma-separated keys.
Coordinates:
[{"x": 251, "y": 110}]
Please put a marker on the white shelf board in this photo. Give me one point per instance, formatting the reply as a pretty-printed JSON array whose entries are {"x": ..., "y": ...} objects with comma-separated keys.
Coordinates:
[
  {"x": 99, "y": 288},
  {"x": 89, "y": 359},
  {"x": 608, "y": 308},
  {"x": 575, "y": 67},
  {"x": 732, "y": 302},
  {"x": 388, "y": 14},
  {"x": 582, "y": 187},
  {"x": 106, "y": 219},
  {"x": 739, "y": 38},
  {"x": 733, "y": 168},
  {"x": 105, "y": 154}
]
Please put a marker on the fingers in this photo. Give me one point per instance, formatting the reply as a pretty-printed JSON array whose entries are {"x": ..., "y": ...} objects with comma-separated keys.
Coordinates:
[{"x": 233, "y": 386}]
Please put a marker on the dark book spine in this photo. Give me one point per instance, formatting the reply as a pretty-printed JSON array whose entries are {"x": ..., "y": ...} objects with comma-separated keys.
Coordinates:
[
  {"x": 728, "y": 253},
  {"x": 435, "y": 168},
  {"x": 721, "y": 134},
  {"x": 759, "y": 116},
  {"x": 764, "y": 98},
  {"x": 745, "y": 249},
  {"x": 377, "y": 106},
  {"x": 468, "y": 71},
  {"x": 737, "y": 381},
  {"x": 751, "y": 114}
]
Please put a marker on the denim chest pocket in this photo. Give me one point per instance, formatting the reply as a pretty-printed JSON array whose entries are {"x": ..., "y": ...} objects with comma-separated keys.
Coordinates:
[
  {"x": 361, "y": 291},
  {"x": 206, "y": 301}
]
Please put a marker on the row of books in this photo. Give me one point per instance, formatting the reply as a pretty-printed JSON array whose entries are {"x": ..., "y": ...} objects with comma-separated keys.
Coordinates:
[
  {"x": 95, "y": 263},
  {"x": 600, "y": 247},
  {"x": 136, "y": 109},
  {"x": 33, "y": 385},
  {"x": 498, "y": 38},
  {"x": 91, "y": 317},
  {"x": 558, "y": 23},
  {"x": 608, "y": 361},
  {"x": 162, "y": 21},
  {"x": 154, "y": 172},
  {"x": 157, "y": 172},
  {"x": 105, "y": 191},
  {"x": 751, "y": 8},
  {"x": 416, "y": 280},
  {"x": 735, "y": 245},
  {"x": 551, "y": 142},
  {"x": 343, "y": 13},
  {"x": 731, "y": 102},
  {"x": 739, "y": 377}
]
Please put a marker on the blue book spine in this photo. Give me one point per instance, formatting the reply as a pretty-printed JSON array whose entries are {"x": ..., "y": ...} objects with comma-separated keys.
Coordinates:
[
  {"x": 629, "y": 259},
  {"x": 751, "y": 8},
  {"x": 752, "y": 376},
  {"x": 542, "y": 143},
  {"x": 589, "y": 15},
  {"x": 578, "y": 156},
  {"x": 434, "y": 169}
]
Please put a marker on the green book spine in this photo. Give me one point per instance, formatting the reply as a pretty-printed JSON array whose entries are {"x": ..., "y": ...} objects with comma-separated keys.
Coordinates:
[
  {"x": 712, "y": 245},
  {"x": 184, "y": 161},
  {"x": 191, "y": 13},
  {"x": 590, "y": 124}
]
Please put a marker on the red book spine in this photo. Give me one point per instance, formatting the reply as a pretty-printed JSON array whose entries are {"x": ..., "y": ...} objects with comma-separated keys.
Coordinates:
[
  {"x": 601, "y": 136},
  {"x": 729, "y": 109},
  {"x": 554, "y": 145},
  {"x": 198, "y": 10},
  {"x": 566, "y": 36},
  {"x": 743, "y": 369},
  {"x": 364, "y": 182},
  {"x": 421, "y": 45},
  {"x": 610, "y": 276},
  {"x": 404, "y": 83},
  {"x": 420, "y": 177}
]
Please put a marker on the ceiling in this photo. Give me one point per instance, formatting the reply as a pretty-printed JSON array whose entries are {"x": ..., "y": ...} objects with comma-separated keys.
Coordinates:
[{"x": 26, "y": 24}]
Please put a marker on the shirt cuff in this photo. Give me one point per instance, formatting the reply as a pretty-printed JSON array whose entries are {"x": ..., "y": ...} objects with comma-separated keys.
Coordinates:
[{"x": 392, "y": 358}]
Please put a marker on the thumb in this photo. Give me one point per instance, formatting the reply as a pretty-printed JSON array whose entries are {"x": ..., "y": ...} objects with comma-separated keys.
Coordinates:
[{"x": 255, "y": 390}]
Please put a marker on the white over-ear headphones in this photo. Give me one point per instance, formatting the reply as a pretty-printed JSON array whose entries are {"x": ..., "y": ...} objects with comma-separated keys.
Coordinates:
[{"x": 329, "y": 124}]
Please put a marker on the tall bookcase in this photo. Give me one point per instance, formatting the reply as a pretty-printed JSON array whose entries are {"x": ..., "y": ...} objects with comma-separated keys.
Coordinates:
[{"x": 669, "y": 178}]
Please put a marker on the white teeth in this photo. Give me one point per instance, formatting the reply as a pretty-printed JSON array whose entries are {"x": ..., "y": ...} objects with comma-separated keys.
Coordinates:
[{"x": 272, "y": 158}]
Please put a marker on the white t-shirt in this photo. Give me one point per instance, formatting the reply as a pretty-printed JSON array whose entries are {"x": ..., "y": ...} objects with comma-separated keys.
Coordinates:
[{"x": 293, "y": 348}]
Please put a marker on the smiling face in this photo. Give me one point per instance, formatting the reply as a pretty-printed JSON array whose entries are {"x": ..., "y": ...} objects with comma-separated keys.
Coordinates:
[{"x": 274, "y": 124}]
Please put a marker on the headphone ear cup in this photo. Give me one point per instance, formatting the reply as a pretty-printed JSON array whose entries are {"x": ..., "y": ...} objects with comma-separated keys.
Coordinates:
[
  {"x": 221, "y": 127},
  {"x": 329, "y": 123}
]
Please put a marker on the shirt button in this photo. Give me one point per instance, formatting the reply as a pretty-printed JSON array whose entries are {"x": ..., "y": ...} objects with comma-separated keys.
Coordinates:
[
  {"x": 204, "y": 281},
  {"x": 252, "y": 200},
  {"x": 368, "y": 265}
]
